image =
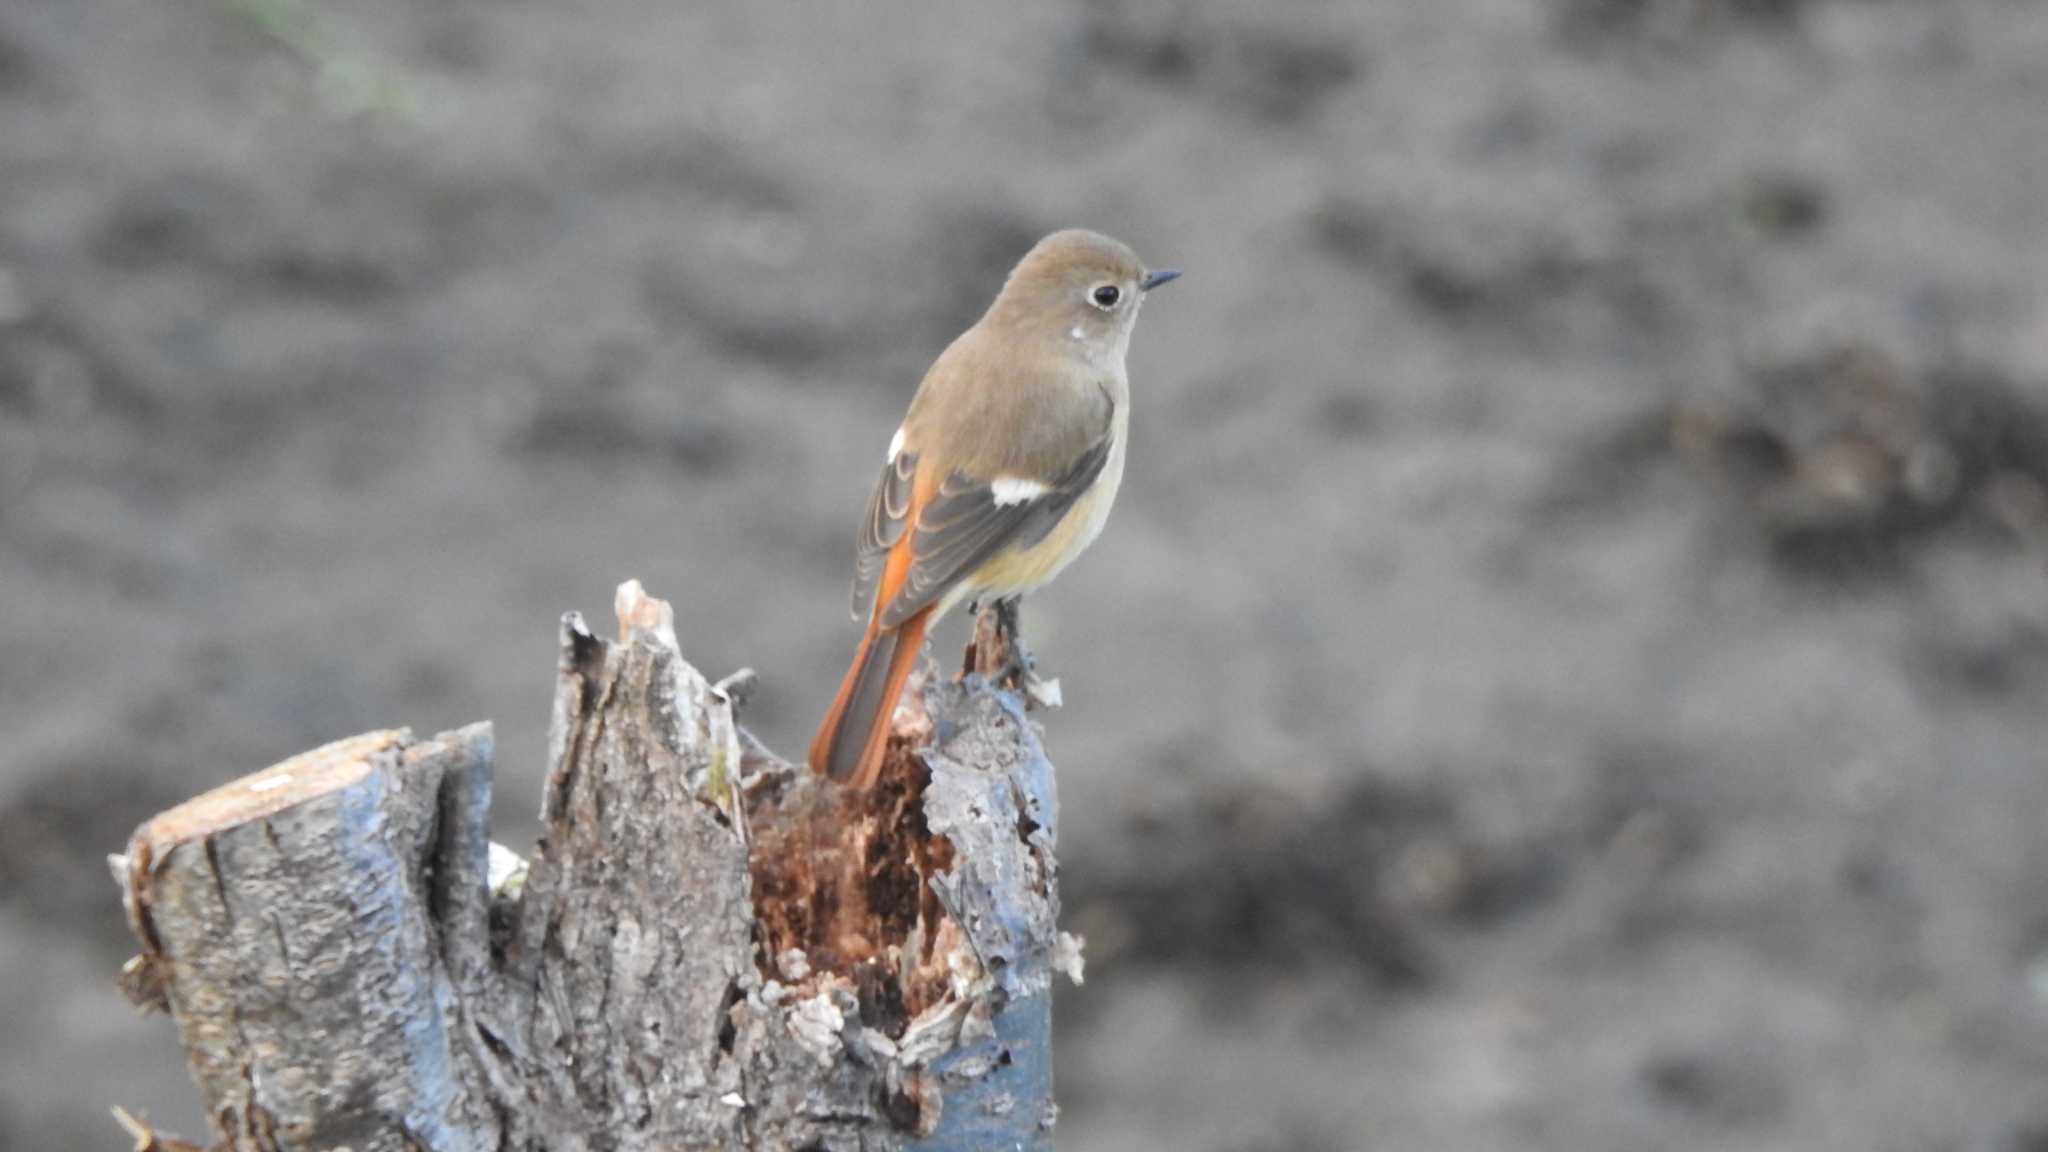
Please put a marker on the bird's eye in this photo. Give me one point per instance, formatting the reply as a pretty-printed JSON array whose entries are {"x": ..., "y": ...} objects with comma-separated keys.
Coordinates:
[{"x": 1105, "y": 296}]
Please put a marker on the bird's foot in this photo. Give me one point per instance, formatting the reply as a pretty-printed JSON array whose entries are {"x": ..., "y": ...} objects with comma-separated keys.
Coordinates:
[
  {"x": 998, "y": 653},
  {"x": 1018, "y": 663}
]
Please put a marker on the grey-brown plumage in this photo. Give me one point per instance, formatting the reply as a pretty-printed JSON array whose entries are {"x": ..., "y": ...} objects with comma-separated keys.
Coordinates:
[{"x": 1004, "y": 470}]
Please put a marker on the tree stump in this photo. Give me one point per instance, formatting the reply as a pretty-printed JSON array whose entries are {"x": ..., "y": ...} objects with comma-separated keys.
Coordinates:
[{"x": 710, "y": 948}]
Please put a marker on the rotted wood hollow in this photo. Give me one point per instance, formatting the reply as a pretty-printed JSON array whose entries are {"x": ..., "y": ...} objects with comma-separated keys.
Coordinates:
[{"x": 710, "y": 949}]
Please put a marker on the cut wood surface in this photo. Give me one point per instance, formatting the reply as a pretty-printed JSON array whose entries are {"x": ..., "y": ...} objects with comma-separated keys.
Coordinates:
[{"x": 709, "y": 949}]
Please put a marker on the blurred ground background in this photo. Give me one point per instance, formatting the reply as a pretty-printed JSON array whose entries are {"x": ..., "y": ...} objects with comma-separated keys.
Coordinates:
[{"x": 1567, "y": 668}]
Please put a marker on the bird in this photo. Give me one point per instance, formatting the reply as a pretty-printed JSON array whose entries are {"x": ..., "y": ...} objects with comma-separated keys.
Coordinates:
[{"x": 1002, "y": 472}]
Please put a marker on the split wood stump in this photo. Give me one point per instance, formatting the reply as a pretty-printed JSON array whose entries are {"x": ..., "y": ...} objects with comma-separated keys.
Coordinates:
[{"x": 709, "y": 949}]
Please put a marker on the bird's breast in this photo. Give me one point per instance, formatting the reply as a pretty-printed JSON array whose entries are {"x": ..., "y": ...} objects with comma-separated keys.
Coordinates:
[{"x": 1020, "y": 570}]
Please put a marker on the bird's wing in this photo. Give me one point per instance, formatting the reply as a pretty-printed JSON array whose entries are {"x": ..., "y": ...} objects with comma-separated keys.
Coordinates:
[
  {"x": 888, "y": 511},
  {"x": 961, "y": 522}
]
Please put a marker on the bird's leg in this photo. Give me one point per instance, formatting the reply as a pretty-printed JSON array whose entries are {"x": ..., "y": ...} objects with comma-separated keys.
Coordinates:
[
  {"x": 1020, "y": 668},
  {"x": 997, "y": 652},
  {"x": 1017, "y": 662},
  {"x": 970, "y": 661},
  {"x": 978, "y": 638},
  {"x": 986, "y": 654}
]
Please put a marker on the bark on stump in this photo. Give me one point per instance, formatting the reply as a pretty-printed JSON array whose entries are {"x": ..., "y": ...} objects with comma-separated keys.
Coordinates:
[{"x": 710, "y": 949}]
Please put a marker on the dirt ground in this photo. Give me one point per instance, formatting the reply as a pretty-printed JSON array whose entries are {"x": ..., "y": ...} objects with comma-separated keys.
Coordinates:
[{"x": 1566, "y": 671}]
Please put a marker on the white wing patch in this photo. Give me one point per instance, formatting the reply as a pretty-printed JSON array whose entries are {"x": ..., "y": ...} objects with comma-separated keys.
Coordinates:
[
  {"x": 895, "y": 448},
  {"x": 1008, "y": 490}
]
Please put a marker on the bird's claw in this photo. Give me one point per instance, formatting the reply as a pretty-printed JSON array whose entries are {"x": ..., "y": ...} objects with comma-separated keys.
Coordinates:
[{"x": 997, "y": 652}]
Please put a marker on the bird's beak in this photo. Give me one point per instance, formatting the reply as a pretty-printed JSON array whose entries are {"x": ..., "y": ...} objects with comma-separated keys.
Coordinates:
[{"x": 1155, "y": 279}]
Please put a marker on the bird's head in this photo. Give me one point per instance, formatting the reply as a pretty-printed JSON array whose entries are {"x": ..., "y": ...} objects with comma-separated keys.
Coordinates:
[{"x": 1078, "y": 289}]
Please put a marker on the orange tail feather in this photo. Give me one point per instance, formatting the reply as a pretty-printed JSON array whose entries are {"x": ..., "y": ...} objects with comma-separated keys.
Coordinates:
[{"x": 855, "y": 732}]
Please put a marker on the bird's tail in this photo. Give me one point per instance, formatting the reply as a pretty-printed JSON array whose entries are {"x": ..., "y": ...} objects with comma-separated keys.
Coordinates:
[{"x": 855, "y": 732}]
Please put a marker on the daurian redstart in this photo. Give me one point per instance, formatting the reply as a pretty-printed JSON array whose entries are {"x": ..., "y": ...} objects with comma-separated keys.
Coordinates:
[{"x": 1003, "y": 471}]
